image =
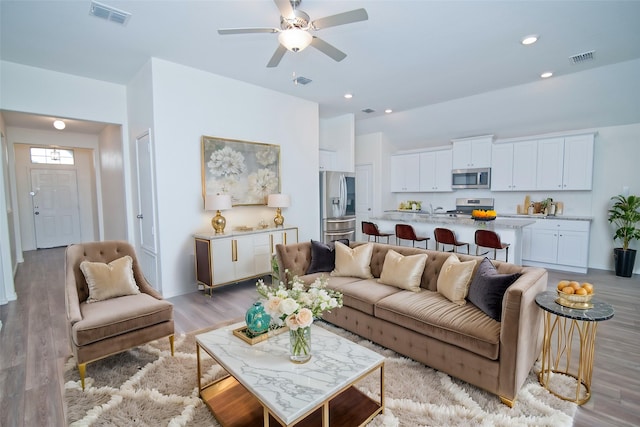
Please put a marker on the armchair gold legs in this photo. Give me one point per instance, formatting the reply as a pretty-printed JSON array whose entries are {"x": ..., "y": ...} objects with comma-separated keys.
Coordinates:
[{"x": 82, "y": 367}]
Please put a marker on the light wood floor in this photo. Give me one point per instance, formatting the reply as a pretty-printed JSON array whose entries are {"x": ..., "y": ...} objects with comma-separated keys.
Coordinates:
[{"x": 34, "y": 343}]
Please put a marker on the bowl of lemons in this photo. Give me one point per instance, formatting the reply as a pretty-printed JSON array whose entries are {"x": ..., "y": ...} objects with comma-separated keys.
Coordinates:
[{"x": 574, "y": 294}]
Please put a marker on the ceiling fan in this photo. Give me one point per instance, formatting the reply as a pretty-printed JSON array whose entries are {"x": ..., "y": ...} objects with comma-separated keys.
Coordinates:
[{"x": 295, "y": 26}]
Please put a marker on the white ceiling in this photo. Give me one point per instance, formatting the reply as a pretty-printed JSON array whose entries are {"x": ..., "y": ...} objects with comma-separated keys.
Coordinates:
[{"x": 408, "y": 54}]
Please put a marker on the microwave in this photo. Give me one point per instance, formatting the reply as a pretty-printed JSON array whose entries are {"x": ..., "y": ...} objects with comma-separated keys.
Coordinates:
[{"x": 471, "y": 178}]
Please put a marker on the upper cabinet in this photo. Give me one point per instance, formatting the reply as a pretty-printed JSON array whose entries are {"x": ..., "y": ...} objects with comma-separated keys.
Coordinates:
[
  {"x": 435, "y": 171},
  {"x": 514, "y": 166},
  {"x": 327, "y": 160},
  {"x": 405, "y": 172},
  {"x": 472, "y": 152},
  {"x": 565, "y": 163}
]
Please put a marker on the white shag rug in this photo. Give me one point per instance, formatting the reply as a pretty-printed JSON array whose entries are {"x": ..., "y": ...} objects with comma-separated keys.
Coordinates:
[{"x": 145, "y": 386}]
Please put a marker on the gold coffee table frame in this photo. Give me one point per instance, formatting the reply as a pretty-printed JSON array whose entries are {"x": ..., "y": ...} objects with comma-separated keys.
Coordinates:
[{"x": 561, "y": 325}]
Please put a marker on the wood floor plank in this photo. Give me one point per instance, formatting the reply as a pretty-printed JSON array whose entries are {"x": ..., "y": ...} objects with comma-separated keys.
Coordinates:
[{"x": 34, "y": 337}]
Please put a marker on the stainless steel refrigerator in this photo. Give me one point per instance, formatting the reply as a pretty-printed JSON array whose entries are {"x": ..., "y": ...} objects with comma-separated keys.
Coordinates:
[{"x": 337, "y": 205}]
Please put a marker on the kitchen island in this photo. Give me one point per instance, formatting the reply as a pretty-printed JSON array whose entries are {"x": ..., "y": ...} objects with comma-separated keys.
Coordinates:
[{"x": 509, "y": 229}]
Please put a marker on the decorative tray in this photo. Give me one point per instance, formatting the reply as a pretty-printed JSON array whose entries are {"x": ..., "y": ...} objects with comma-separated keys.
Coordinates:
[
  {"x": 485, "y": 218},
  {"x": 245, "y": 335}
]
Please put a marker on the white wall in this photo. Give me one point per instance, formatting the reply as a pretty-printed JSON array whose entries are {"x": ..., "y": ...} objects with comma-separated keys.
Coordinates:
[
  {"x": 188, "y": 103},
  {"x": 7, "y": 246},
  {"x": 337, "y": 134},
  {"x": 112, "y": 205}
]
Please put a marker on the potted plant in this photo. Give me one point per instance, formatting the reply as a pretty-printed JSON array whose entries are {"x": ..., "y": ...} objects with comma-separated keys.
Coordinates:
[{"x": 625, "y": 215}]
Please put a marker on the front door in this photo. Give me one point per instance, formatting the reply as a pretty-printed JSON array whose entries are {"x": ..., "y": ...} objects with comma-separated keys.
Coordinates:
[{"x": 56, "y": 213}]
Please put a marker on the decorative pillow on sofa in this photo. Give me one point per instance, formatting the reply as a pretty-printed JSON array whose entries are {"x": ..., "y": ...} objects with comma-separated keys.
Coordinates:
[
  {"x": 323, "y": 256},
  {"x": 404, "y": 272},
  {"x": 488, "y": 288},
  {"x": 353, "y": 262},
  {"x": 109, "y": 280},
  {"x": 453, "y": 280}
]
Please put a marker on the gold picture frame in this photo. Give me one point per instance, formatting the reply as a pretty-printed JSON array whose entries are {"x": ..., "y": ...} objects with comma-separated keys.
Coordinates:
[{"x": 247, "y": 171}]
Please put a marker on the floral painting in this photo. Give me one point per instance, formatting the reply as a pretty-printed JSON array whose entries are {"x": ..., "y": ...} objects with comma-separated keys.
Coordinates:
[{"x": 248, "y": 171}]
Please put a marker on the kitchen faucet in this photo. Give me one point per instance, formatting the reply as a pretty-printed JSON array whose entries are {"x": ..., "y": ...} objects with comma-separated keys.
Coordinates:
[{"x": 439, "y": 208}]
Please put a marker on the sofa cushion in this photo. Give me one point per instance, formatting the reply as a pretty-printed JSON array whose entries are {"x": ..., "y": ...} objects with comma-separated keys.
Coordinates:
[
  {"x": 353, "y": 262},
  {"x": 431, "y": 314},
  {"x": 117, "y": 316},
  {"x": 323, "y": 256},
  {"x": 454, "y": 279},
  {"x": 363, "y": 295},
  {"x": 402, "y": 271},
  {"x": 488, "y": 287},
  {"x": 110, "y": 280}
]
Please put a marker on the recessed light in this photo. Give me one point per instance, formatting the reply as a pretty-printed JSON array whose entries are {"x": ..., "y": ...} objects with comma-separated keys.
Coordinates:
[
  {"x": 59, "y": 124},
  {"x": 348, "y": 95},
  {"x": 546, "y": 74},
  {"x": 388, "y": 111},
  {"x": 528, "y": 40}
]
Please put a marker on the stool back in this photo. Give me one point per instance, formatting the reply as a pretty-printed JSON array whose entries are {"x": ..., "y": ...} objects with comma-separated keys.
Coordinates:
[
  {"x": 444, "y": 235},
  {"x": 488, "y": 239},
  {"x": 406, "y": 232}
]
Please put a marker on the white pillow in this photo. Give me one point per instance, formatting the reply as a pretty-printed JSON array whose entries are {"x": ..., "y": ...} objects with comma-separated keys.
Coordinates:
[
  {"x": 353, "y": 262},
  {"x": 454, "y": 279},
  {"x": 404, "y": 272},
  {"x": 109, "y": 280}
]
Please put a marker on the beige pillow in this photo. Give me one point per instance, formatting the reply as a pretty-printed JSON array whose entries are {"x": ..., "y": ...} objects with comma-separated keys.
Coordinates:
[
  {"x": 403, "y": 271},
  {"x": 353, "y": 262},
  {"x": 454, "y": 279},
  {"x": 109, "y": 280}
]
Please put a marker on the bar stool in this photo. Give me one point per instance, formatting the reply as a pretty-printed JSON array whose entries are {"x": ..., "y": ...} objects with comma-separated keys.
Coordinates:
[
  {"x": 446, "y": 237},
  {"x": 370, "y": 229},
  {"x": 489, "y": 239},
  {"x": 406, "y": 232}
]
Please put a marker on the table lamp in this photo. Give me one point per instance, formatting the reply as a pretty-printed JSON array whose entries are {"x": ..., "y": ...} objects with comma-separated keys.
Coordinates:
[
  {"x": 217, "y": 202},
  {"x": 278, "y": 201}
]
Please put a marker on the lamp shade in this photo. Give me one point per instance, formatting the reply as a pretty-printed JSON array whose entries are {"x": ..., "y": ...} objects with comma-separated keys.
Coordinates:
[
  {"x": 295, "y": 39},
  {"x": 217, "y": 202},
  {"x": 278, "y": 201}
]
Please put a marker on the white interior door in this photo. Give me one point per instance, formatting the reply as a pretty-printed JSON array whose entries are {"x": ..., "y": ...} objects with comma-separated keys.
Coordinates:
[
  {"x": 364, "y": 196},
  {"x": 56, "y": 213},
  {"x": 147, "y": 210}
]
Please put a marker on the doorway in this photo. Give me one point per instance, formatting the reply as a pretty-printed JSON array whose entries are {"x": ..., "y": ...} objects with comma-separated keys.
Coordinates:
[
  {"x": 56, "y": 213},
  {"x": 364, "y": 192}
]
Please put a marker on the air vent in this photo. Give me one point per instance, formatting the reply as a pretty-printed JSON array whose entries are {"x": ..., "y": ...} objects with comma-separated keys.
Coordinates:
[
  {"x": 109, "y": 13},
  {"x": 582, "y": 57},
  {"x": 302, "y": 80},
  {"x": 368, "y": 111}
]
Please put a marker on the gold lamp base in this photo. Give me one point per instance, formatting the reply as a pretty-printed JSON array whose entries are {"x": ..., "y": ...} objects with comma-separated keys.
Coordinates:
[
  {"x": 218, "y": 222},
  {"x": 279, "y": 219}
]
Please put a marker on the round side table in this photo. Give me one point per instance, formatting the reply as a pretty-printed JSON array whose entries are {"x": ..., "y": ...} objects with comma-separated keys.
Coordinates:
[{"x": 562, "y": 323}]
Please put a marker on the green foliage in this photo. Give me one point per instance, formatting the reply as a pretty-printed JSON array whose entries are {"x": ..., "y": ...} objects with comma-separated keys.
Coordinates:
[{"x": 625, "y": 215}]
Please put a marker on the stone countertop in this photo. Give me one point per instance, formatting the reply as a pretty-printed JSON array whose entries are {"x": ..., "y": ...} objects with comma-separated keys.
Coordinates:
[
  {"x": 417, "y": 217},
  {"x": 542, "y": 216}
]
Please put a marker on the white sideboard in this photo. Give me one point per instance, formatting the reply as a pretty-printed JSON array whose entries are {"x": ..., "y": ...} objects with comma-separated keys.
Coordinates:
[{"x": 221, "y": 259}]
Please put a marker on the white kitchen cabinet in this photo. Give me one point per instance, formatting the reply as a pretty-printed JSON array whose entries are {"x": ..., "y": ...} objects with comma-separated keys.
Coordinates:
[
  {"x": 221, "y": 260},
  {"x": 514, "y": 166},
  {"x": 435, "y": 171},
  {"x": 565, "y": 163},
  {"x": 405, "y": 172},
  {"x": 559, "y": 244},
  {"x": 327, "y": 160},
  {"x": 472, "y": 152}
]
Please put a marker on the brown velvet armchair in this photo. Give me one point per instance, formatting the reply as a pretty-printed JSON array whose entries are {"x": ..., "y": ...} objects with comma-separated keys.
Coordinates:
[{"x": 103, "y": 328}]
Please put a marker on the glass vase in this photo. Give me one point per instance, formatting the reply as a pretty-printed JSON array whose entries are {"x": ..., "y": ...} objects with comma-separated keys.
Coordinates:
[
  {"x": 257, "y": 319},
  {"x": 300, "y": 345}
]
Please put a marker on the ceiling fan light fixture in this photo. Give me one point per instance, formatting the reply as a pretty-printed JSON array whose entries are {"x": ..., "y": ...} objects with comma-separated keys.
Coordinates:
[{"x": 295, "y": 39}]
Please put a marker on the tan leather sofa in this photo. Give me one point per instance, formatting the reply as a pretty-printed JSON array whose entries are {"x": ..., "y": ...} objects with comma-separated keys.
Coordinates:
[
  {"x": 103, "y": 328},
  {"x": 460, "y": 340}
]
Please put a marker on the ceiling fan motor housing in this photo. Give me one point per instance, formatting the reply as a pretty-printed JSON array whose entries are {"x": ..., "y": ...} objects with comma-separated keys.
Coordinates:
[{"x": 300, "y": 20}]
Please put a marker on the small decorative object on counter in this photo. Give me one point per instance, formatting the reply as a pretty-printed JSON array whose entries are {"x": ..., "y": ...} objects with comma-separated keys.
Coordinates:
[
  {"x": 483, "y": 215},
  {"x": 257, "y": 319}
]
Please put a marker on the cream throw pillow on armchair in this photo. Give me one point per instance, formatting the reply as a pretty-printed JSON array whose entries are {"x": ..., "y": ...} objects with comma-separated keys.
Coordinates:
[
  {"x": 353, "y": 262},
  {"x": 109, "y": 280}
]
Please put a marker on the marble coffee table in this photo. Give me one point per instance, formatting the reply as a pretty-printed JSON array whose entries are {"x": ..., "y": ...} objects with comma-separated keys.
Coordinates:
[{"x": 265, "y": 388}]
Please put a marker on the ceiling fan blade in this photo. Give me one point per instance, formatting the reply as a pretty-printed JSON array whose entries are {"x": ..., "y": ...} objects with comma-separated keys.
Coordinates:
[
  {"x": 285, "y": 8},
  {"x": 225, "y": 31},
  {"x": 277, "y": 56},
  {"x": 340, "y": 19},
  {"x": 327, "y": 49}
]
